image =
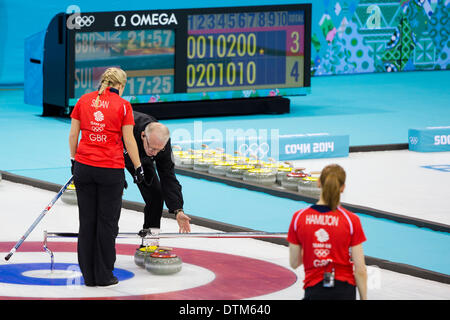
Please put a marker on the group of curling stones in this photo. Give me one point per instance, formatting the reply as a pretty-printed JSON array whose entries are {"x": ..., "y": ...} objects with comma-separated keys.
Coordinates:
[
  {"x": 250, "y": 169},
  {"x": 156, "y": 259}
]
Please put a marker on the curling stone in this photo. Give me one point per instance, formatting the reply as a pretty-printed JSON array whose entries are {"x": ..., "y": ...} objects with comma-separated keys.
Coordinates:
[
  {"x": 176, "y": 156},
  {"x": 262, "y": 176},
  {"x": 308, "y": 187},
  {"x": 144, "y": 252},
  {"x": 204, "y": 153},
  {"x": 187, "y": 161},
  {"x": 237, "y": 171},
  {"x": 219, "y": 153},
  {"x": 282, "y": 173},
  {"x": 220, "y": 167},
  {"x": 256, "y": 163},
  {"x": 292, "y": 179},
  {"x": 141, "y": 253},
  {"x": 70, "y": 195},
  {"x": 272, "y": 166},
  {"x": 203, "y": 164},
  {"x": 163, "y": 263},
  {"x": 238, "y": 159},
  {"x": 224, "y": 157}
]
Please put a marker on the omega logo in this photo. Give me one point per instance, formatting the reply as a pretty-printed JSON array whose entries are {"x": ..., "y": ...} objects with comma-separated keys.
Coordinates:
[
  {"x": 120, "y": 21},
  {"x": 149, "y": 19}
]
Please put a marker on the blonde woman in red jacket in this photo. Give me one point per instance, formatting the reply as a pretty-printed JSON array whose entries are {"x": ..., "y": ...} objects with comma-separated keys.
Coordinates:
[{"x": 103, "y": 118}]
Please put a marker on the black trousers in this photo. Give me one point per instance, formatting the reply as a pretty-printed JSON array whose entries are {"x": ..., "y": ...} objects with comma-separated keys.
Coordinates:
[
  {"x": 152, "y": 194},
  {"x": 99, "y": 195},
  {"x": 341, "y": 291}
]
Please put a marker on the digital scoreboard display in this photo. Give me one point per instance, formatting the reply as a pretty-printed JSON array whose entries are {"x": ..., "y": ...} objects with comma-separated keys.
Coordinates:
[
  {"x": 147, "y": 56},
  {"x": 192, "y": 54},
  {"x": 245, "y": 50}
]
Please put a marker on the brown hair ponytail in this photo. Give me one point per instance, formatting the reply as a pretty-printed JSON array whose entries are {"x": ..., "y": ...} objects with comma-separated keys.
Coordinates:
[
  {"x": 332, "y": 179},
  {"x": 111, "y": 77}
]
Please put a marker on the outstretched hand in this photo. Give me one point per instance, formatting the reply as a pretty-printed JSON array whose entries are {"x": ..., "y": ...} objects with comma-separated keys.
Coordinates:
[{"x": 183, "y": 222}]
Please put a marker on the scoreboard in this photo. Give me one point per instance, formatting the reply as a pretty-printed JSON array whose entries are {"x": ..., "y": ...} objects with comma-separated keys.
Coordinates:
[
  {"x": 245, "y": 50},
  {"x": 248, "y": 49},
  {"x": 181, "y": 55}
]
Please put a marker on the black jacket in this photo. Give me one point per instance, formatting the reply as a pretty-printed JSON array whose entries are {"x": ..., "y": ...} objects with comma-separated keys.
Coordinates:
[{"x": 171, "y": 188}]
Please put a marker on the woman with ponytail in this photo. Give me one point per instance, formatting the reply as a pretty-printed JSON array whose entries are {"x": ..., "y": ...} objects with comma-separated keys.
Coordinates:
[
  {"x": 103, "y": 118},
  {"x": 327, "y": 239}
]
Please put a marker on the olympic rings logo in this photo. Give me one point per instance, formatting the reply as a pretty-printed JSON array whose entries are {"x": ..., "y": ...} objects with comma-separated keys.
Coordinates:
[
  {"x": 97, "y": 129},
  {"x": 413, "y": 140},
  {"x": 84, "y": 21},
  {"x": 321, "y": 253},
  {"x": 254, "y": 149}
]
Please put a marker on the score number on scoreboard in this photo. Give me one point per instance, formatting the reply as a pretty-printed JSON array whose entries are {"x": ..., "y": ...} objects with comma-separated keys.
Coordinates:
[{"x": 232, "y": 51}]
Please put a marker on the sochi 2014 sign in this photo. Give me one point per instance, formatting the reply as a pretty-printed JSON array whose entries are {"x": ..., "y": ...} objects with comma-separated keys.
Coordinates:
[{"x": 429, "y": 139}]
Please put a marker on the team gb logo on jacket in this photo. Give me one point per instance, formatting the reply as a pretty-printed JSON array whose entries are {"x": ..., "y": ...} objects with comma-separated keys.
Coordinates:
[
  {"x": 99, "y": 116},
  {"x": 322, "y": 235}
]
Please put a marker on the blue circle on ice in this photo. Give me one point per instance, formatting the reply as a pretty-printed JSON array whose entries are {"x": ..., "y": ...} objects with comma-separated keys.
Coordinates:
[{"x": 39, "y": 274}]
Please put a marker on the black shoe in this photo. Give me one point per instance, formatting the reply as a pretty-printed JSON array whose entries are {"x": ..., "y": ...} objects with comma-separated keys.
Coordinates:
[
  {"x": 89, "y": 283},
  {"x": 142, "y": 233},
  {"x": 112, "y": 282}
]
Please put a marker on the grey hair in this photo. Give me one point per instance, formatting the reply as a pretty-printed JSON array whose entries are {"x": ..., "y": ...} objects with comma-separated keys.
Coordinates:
[{"x": 158, "y": 130}]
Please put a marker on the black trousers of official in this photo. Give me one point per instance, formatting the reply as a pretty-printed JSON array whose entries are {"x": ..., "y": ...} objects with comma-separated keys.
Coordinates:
[
  {"x": 99, "y": 195},
  {"x": 151, "y": 193},
  {"x": 341, "y": 291}
]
